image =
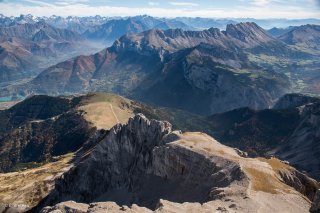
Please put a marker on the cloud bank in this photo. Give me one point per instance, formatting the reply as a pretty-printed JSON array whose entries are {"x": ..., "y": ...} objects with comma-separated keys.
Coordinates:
[{"x": 245, "y": 9}]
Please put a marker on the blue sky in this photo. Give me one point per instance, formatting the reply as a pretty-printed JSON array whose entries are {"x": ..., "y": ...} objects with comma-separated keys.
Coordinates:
[{"x": 166, "y": 8}]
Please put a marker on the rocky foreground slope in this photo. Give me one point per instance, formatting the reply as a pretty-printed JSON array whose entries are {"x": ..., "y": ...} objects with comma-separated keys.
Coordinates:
[
  {"x": 41, "y": 127},
  {"x": 147, "y": 165}
]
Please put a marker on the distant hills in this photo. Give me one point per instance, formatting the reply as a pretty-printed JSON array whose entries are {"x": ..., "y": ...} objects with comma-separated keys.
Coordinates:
[{"x": 114, "y": 29}]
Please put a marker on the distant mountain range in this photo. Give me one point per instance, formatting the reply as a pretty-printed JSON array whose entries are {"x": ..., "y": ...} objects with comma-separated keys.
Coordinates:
[
  {"x": 82, "y": 24},
  {"x": 219, "y": 70},
  {"x": 76, "y": 24},
  {"x": 114, "y": 29},
  {"x": 26, "y": 49},
  {"x": 242, "y": 66}
]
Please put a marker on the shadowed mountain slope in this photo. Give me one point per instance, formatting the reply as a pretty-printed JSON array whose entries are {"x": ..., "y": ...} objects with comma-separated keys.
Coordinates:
[{"x": 290, "y": 131}]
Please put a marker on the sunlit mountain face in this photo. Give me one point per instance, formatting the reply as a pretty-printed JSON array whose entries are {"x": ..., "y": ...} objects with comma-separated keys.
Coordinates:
[{"x": 159, "y": 106}]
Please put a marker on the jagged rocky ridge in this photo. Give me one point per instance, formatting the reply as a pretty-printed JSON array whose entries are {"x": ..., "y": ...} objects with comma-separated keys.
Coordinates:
[
  {"x": 41, "y": 128},
  {"x": 144, "y": 161},
  {"x": 211, "y": 67}
]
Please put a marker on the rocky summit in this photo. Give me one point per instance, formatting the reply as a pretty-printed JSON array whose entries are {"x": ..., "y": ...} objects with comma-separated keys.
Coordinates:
[{"x": 145, "y": 166}]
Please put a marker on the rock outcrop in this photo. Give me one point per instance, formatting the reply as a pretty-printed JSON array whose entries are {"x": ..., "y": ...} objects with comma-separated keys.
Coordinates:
[
  {"x": 147, "y": 164},
  {"x": 315, "y": 208}
]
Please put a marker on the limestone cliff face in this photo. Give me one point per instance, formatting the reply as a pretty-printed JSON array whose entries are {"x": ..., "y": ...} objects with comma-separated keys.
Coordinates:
[
  {"x": 147, "y": 164},
  {"x": 133, "y": 164},
  {"x": 119, "y": 160}
]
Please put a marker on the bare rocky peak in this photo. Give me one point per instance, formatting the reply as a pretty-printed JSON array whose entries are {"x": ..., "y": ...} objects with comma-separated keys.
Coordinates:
[
  {"x": 248, "y": 32},
  {"x": 146, "y": 165},
  {"x": 243, "y": 35}
]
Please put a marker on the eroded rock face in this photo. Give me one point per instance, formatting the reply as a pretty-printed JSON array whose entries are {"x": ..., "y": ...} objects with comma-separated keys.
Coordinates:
[
  {"x": 147, "y": 164},
  {"x": 315, "y": 208},
  {"x": 135, "y": 164},
  {"x": 117, "y": 162}
]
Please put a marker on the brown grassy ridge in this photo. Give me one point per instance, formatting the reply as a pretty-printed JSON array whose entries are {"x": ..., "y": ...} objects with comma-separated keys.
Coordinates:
[{"x": 30, "y": 186}]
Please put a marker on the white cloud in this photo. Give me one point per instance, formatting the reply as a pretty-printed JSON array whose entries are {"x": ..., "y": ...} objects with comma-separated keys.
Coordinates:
[
  {"x": 75, "y": 1},
  {"x": 261, "y": 2},
  {"x": 60, "y": 2},
  {"x": 152, "y": 3},
  {"x": 184, "y": 4},
  {"x": 41, "y": 3},
  {"x": 80, "y": 9}
]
